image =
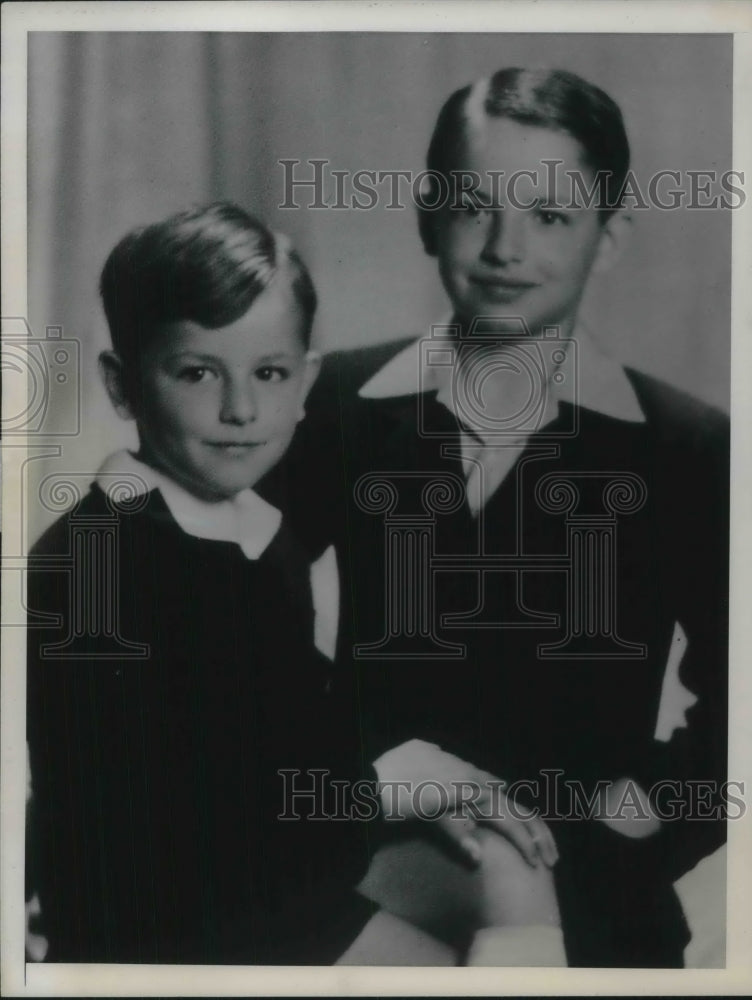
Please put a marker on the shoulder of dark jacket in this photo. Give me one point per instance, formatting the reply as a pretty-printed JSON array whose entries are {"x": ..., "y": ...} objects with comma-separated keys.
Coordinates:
[
  {"x": 55, "y": 538},
  {"x": 344, "y": 372},
  {"x": 678, "y": 418},
  {"x": 95, "y": 506}
]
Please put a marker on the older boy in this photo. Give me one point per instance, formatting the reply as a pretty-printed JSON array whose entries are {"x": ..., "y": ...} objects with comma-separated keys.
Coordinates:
[{"x": 583, "y": 530}]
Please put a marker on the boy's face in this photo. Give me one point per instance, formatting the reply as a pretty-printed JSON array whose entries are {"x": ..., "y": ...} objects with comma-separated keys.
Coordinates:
[
  {"x": 218, "y": 408},
  {"x": 505, "y": 261}
]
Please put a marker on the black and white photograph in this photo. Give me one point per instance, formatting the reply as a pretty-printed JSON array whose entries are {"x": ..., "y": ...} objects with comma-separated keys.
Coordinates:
[{"x": 373, "y": 497}]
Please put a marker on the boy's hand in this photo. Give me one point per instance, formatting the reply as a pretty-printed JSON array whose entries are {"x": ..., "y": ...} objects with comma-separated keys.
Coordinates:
[{"x": 421, "y": 781}]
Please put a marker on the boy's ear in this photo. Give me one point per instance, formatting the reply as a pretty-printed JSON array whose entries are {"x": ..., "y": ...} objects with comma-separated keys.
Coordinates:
[
  {"x": 113, "y": 375},
  {"x": 427, "y": 217},
  {"x": 427, "y": 228},
  {"x": 614, "y": 238},
  {"x": 311, "y": 373}
]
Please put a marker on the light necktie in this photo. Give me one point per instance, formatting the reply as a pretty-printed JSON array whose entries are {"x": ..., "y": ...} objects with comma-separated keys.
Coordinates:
[
  {"x": 486, "y": 466},
  {"x": 473, "y": 454}
]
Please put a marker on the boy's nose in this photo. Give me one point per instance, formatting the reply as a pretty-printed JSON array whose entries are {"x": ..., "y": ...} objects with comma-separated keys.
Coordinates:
[
  {"x": 238, "y": 404},
  {"x": 505, "y": 240}
]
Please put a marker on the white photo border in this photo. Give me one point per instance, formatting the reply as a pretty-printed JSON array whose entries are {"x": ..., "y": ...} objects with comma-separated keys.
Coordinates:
[{"x": 585, "y": 16}]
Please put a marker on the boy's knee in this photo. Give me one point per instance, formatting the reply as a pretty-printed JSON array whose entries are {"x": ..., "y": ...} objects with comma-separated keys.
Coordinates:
[{"x": 514, "y": 893}]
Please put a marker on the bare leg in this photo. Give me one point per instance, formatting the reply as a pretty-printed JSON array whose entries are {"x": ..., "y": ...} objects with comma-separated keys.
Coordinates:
[
  {"x": 415, "y": 880},
  {"x": 389, "y": 940}
]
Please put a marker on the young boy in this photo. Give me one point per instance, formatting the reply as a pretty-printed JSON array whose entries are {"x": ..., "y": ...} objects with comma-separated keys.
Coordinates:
[
  {"x": 583, "y": 530},
  {"x": 178, "y": 704},
  {"x": 156, "y": 733}
]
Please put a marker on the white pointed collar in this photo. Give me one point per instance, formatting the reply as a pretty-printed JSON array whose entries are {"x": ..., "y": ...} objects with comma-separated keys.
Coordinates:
[
  {"x": 601, "y": 385},
  {"x": 245, "y": 519}
]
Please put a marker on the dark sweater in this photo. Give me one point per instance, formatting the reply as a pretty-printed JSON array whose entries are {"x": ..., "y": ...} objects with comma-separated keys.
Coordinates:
[
  {"x": 154, "y": 834},
  {"x": 504, "y": 704}
]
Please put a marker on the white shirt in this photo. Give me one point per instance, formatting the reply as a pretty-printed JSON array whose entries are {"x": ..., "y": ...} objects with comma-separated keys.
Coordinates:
[{"x": 502, "y": 399}]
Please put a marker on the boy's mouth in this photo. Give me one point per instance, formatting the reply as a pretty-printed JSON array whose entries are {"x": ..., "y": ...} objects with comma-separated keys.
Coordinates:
[
  {"x": 235, "y": 447},
  {"x": 501, "y": 289}
]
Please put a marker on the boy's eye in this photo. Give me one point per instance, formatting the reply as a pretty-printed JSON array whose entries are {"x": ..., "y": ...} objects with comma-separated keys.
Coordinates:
[
  {"x": 552, "y": 217},
  {"x": 194, "y": 373},
  {"x": 272, "y": 373},
  {"x": 471, "y": 207}
]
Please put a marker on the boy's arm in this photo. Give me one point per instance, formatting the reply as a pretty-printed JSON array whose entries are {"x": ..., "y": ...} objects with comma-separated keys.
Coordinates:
[
  {"x": 49, "y": 725},
  {"x": 420, "y": 781},
  {"x": 686, "y": 775},
  {"x": 41, "y": 694}
]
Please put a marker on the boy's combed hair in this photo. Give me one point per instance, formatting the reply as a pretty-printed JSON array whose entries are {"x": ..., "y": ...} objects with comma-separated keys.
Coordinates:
[
  {"x": 207, "y": 264},
  {"x": 549, "y": 98}
]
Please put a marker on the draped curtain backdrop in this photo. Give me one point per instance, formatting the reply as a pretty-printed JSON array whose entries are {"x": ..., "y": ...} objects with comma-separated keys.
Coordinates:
[{"x": 125, "y": 128}]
